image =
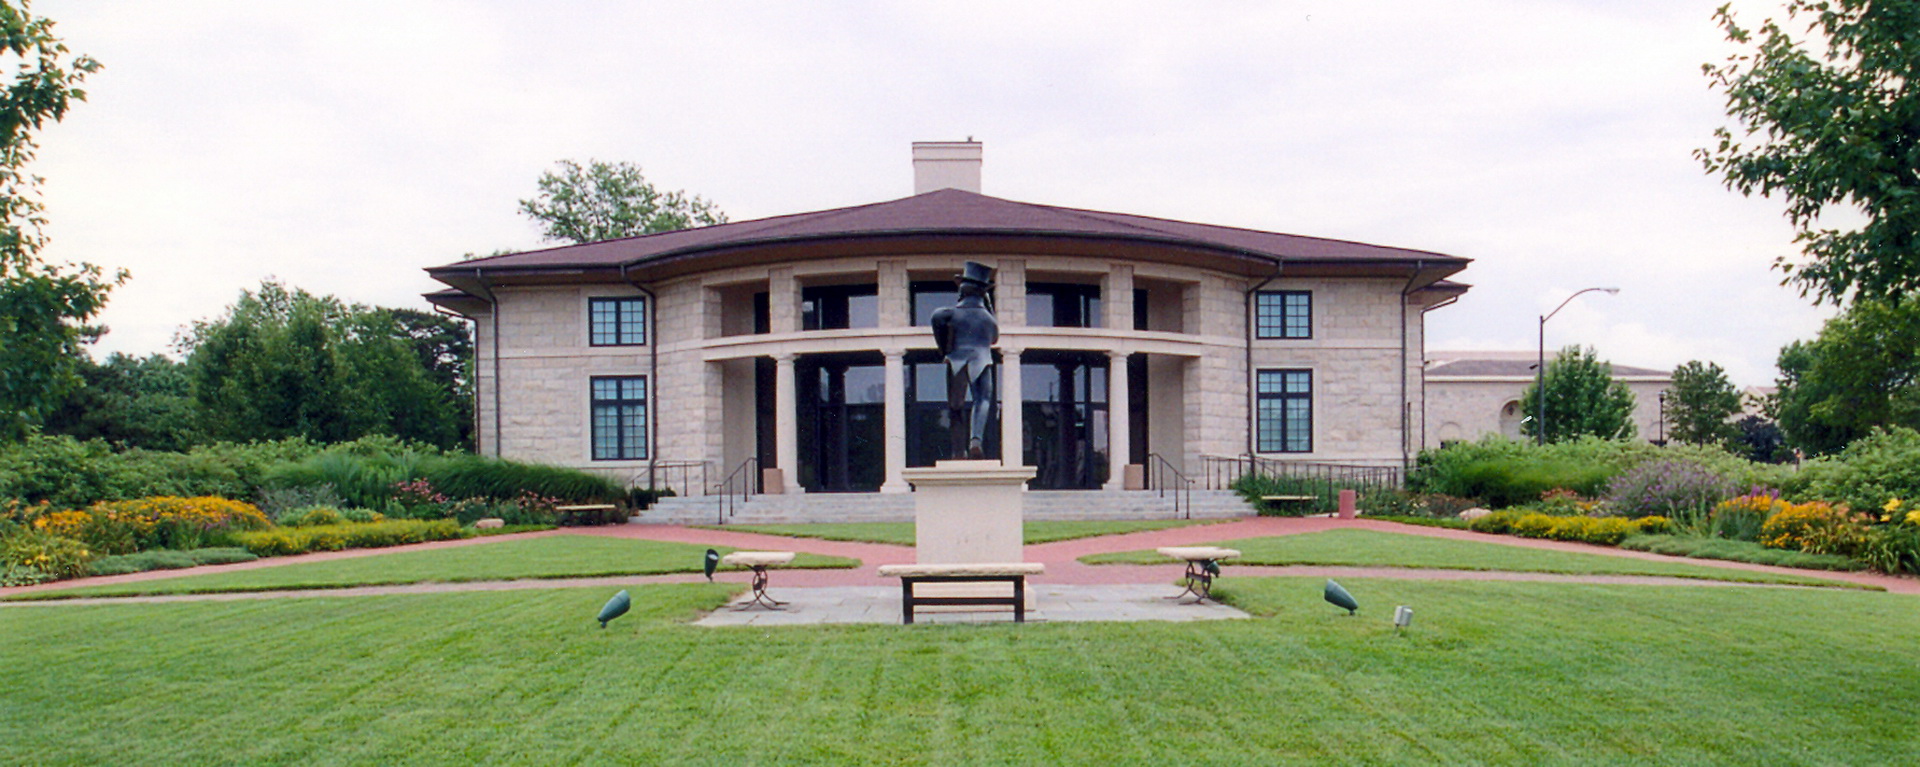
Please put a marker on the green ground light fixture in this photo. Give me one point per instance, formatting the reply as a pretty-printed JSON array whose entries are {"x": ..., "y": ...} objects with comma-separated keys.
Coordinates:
[
  {"x": 1340, "y": 598},
  {"x": 713, "y": 561},
  {"x": 616, "y": 607}
]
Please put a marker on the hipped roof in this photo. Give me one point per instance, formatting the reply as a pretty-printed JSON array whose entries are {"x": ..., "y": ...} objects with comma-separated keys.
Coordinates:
[{"x": 951, "y": 221}]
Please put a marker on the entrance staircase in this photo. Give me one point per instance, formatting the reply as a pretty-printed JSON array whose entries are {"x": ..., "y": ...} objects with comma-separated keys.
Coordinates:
[{"x": 898, "y": 507}]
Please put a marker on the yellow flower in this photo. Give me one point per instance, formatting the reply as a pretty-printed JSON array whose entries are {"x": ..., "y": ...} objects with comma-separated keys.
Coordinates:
[
  {"x": 1893, "y": 505},
  {"x": 1914, "y": 516}
]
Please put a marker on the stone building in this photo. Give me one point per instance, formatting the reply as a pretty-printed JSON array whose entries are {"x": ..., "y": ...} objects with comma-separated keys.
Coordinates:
[
  {"x": 1475, "y": 393},
  {"x": 795, "y": 348}
]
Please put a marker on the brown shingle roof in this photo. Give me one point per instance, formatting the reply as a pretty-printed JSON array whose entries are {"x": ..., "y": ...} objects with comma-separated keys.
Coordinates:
[{"x": 946, "y": 212}]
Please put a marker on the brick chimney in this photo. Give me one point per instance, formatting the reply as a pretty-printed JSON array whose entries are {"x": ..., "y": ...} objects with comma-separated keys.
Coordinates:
[{"x": 946, "y": 165}]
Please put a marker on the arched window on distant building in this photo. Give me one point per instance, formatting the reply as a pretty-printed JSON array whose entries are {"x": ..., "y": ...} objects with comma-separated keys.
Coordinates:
[{"x": 1510, "y": 418}]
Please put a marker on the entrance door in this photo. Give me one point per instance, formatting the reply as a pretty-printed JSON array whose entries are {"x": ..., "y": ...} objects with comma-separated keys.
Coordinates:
[
  {"x": 1064, "y": 412},
  {"x": 842, "y": 429}
]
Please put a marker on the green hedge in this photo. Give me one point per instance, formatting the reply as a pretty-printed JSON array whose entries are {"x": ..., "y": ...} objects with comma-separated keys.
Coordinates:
[
  {"x": 393, "y": 532},
  {"x": 1505, "y": 472},
  {"x": 168, "y": 559},
  {"x": 1737, "y": 551},
  {"x": 1605, "y": 531},
  {"x": 367, "y": 479}
]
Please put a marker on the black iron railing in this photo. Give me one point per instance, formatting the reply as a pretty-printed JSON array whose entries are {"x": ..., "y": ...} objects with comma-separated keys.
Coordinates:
[
  {"x": 1162, "y": 477},
  {"x": 684, "y": 478},
  {"x": 737, "y": 488},
  {"x": 1318, "y": 482}
]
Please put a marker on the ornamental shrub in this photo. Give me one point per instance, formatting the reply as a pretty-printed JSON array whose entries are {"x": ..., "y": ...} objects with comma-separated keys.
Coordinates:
[
  {"x": 1884, "y": 464},
  {"x": 1605, "y": 531},
  {"x": 38, "y": 551},
  {"x": 1505, "y": 472},
  {"x": 285, "y": 541},
  {"x": 1678, "y": 490},
  {"x": 312, "y": 516},
  {"x": 1741, "y": 518},
  {"x": 1816, "y": 527},
  {"x": 123, "y": 527}
]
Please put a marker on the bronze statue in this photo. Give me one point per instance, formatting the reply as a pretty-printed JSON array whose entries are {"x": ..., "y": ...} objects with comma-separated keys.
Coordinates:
[{"x": 966, "y": 333}]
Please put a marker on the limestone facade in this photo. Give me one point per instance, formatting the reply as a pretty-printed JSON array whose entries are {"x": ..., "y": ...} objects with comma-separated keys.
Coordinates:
[{"x": 1363, "y": 355}]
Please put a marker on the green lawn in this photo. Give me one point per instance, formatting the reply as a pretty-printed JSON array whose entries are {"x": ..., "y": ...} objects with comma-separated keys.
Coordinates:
[
  {"x": 552, "y": 556},
  {"x": 901, "y": 533},
  {"x": 1366, "y": 548},
  {"x": 1490, "y": 673}
]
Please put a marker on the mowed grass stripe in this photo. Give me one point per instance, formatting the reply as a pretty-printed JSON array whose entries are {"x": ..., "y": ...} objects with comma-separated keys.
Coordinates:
[
  {"x": 1513, "y": 673},
  {"x": 1368, "y": 548},
  {"x": 553, "y": 556}
]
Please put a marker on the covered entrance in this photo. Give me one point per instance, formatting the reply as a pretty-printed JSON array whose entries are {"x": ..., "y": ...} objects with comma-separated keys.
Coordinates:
[{"x": 842, "y": 432}]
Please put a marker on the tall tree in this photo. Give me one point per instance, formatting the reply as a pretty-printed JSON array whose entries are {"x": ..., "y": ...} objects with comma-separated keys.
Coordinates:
[
  {"x": 1701, "y": 404},
  {"x": 44, "y": 307},
  {"x": 286, "y": 363},
  {"x": 608, "y": 201},
  {"x": 1582, "y": 398},
  {"x": 1862, "y": 371},
  {"x": 1834, "y": 121},
  {"x": 131, "y": 402}
]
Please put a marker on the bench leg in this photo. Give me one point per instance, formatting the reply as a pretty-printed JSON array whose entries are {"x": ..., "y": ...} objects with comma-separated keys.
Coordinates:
[
  {"x": 1020, "y": 599},
  {"x": 906, "y": 601}
]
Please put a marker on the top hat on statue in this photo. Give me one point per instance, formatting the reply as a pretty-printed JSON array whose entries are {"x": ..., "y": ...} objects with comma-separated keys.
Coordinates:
[{"x": 977, "y": 273}]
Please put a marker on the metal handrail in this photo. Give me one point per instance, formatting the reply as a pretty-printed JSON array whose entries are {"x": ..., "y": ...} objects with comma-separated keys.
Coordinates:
[
  {"x": 1159, "y": 469},
  {"x": 748, "y": 475},
  {"x": 1221, "y": 471},
  {"x": 685, "y": 471}
]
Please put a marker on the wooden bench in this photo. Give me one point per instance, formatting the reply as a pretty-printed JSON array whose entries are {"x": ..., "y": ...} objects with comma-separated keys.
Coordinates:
[
  {"x": 1008, "y": 572},
  {"x": 1288, "y": 498},
  {"x": 563, "y": 514}
]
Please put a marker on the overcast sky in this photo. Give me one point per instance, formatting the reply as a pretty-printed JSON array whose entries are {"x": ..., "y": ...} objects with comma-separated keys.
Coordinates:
[{"x": 343, "y": 146}]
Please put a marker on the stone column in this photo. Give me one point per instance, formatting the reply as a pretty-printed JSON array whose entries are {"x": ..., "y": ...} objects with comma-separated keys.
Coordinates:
[
  {"x": 1116, "y": 296},
  {"x": 1012, "y": 428},
  {"x": 1119, "y": 422},
  {"x": 783, "y": 301},
  {"x": 786, "y": 424},
  {"x": 896, "y": 421}
]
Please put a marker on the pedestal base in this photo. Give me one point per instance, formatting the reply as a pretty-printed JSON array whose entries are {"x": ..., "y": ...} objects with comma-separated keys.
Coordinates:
[{"x": 967, "y": 512}]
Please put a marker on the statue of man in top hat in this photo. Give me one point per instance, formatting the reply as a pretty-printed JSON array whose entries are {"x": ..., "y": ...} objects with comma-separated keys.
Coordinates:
[{"x": 966, "y": 333}]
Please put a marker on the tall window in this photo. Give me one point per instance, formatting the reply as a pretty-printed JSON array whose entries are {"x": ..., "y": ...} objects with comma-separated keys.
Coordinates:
[
  {"x": 1285, "y": 411},
  {"x": 1284, "y": 314},
  {"x": 616, "y": 321},
  {"x": 1063, "y": 305},
  {"x": 619, "y": 418},
  {"x": 832, "y": 307}
]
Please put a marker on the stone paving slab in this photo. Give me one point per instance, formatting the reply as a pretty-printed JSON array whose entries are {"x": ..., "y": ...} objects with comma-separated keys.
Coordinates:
[{"x": 1056, "y": 604}]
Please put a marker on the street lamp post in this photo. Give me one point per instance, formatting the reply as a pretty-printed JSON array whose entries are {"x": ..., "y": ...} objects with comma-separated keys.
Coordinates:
[
  {"x": 1540, "y": 369},
  {"x": 1663, "y": 419}
]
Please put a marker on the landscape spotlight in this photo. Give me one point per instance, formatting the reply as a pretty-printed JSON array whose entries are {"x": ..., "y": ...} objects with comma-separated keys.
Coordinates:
[
  {"x": 616, "y": 607},
  {"x": 1402, "y": 617},
  {"x": 1340, "y": 598}
]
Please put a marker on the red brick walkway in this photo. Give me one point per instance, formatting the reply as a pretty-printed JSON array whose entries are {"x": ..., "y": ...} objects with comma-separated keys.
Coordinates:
[{"x": 1061, "y": 559}]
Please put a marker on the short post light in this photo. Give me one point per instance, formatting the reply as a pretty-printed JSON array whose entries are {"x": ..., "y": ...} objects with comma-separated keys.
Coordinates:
[{"x": 1540, "y": 370}]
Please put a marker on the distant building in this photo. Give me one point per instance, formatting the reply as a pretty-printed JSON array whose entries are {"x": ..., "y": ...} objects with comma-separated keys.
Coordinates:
[{"x": 1472, "y": 394}]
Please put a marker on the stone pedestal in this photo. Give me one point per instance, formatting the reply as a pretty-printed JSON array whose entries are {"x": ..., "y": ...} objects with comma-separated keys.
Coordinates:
[{"x": 969, "y": 512}]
